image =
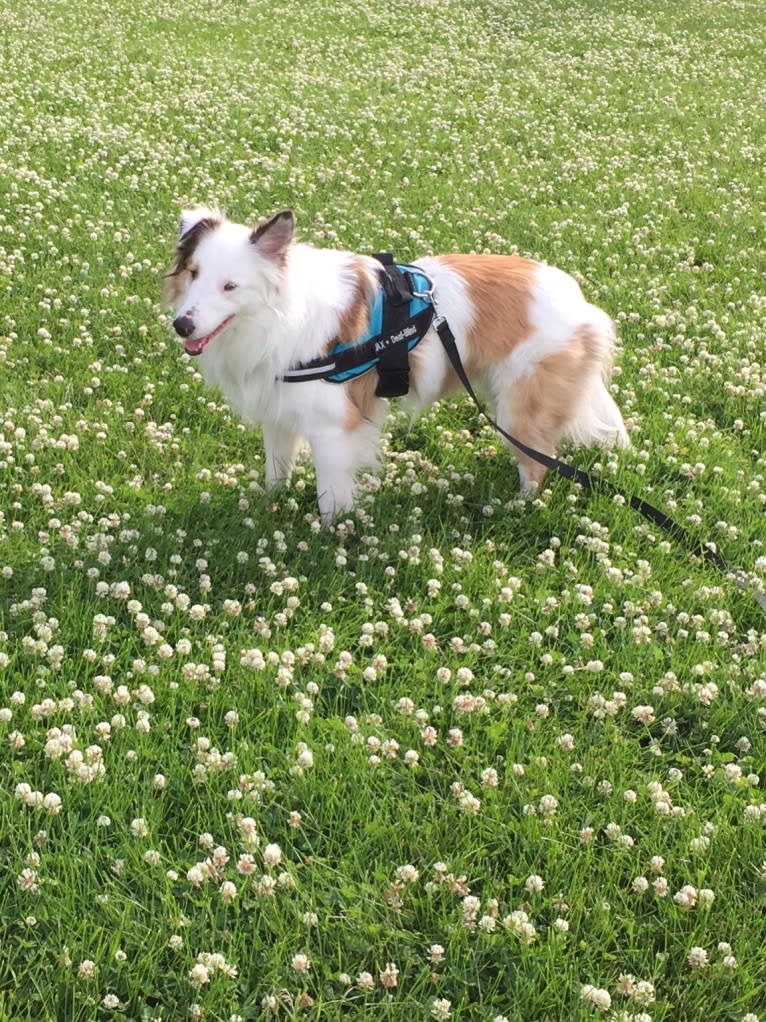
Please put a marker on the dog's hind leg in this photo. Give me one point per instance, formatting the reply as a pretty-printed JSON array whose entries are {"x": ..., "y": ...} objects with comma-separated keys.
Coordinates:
[
  {"x": 541, "y": 407},
  {"x": 521, "y": 415}
]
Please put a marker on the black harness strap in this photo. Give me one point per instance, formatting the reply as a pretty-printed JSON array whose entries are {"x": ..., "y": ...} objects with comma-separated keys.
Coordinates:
[
  {"x": 394, "y": 365},
  {"x": 394, "y": 282},
  {"x": 653, "y": 514}
]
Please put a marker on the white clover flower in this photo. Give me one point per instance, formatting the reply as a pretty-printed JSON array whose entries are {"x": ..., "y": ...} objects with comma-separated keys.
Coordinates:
[
  {"x": 548, "y": 805},
  {"x": 228, "y": 891},
  {"x": 643, "y": 993},
  {"x": 686, "y": 897},
  {"x": 643, "y": 714},
  {"x": 534, "y": 884},
  {"x": 196, "y": 876},
  {"x": 661, "y": 887},
  {"x": 697, "y": 958},
  {"x": 389, "y": 976},
  {"x": 272, "y": 855},
  {"x": 199, "y": 975},
  {"x": 305, "y": 757},
  {"x": 27, "y": 881},
  {"x": 301, "y": 963},
  {"x": 86, "y": 969},
  {"x": 596, "y": 996},
  {"x": 407, "y": 874}
]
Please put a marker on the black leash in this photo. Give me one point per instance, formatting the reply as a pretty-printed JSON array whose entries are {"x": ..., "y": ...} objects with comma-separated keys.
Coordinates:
[{"x": 653, "y": 514}]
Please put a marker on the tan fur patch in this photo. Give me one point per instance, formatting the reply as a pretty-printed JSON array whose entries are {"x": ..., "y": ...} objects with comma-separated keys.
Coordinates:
[
  {"x": 500, "y": 289},
  {"x": 353, "y": 320},
  {"x": 363, "y": 405}
]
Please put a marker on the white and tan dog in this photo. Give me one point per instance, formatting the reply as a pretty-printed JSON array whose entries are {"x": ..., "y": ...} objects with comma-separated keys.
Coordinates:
[{"x": 250, "y": 303}]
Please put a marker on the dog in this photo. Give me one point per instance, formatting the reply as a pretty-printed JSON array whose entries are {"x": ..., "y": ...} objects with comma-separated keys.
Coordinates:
[{"x": 251, "y": 302}]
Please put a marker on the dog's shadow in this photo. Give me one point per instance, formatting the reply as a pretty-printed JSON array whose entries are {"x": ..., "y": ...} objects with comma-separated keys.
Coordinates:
[{"x": 241, "y": 554}]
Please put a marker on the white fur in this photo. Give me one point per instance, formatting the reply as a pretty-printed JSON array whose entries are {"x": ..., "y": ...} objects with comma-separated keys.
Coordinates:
[
  {"x": 557, "y": 311},
  {"x": 599, "y": 420},
  {"x": 285, "y": 307}
]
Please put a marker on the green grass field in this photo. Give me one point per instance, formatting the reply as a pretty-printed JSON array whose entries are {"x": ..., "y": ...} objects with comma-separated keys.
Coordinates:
[{"x": 461, "y": 757}]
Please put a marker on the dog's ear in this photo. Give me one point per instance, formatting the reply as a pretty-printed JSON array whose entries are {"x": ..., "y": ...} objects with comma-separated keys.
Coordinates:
[
  {"x": 191, "y": 217},
  {"x": 273, "y": 237}
]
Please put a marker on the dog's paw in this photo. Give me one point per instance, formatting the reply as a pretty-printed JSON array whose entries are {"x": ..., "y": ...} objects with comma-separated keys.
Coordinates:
[{"x": 529, "y": 486}]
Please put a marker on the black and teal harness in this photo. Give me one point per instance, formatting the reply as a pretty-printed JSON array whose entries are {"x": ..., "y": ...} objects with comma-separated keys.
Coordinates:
[{"x": 401, "y": 314}]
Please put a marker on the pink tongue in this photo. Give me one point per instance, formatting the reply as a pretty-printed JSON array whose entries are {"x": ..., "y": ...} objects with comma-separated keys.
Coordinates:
[{"x": 195, "y": 347}]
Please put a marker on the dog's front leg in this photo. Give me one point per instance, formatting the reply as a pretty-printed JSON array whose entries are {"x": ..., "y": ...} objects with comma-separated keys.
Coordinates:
[
  {"x": 280, "y": 448},
  {"x": 336, "y": 461}
]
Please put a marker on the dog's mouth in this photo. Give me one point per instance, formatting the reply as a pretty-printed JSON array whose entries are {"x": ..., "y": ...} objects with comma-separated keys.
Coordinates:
[{"x": 196, "y": 345}]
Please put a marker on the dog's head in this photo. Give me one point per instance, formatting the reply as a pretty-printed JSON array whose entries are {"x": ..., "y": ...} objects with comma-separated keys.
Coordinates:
[{"x": 222, "y": 270}]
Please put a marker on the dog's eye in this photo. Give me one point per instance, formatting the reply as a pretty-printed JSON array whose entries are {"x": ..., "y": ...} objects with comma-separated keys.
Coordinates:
[
  {"x": 229, "y": 286},
  {"x": 194, "y": 273}
]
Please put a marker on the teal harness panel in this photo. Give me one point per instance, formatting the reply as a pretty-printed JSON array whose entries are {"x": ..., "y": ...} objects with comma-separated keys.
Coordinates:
[{"x": 421, "y": 284}]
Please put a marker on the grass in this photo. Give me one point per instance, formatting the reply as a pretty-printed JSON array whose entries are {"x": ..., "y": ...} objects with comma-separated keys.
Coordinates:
[{"x": 461, "y": 757}]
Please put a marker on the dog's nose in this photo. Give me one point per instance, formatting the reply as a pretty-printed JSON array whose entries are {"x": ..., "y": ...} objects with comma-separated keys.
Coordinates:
[{"x": 183, "y": 326}]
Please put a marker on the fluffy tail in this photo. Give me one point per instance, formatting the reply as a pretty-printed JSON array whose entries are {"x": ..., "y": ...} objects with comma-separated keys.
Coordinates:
[{"x": 597, "y": 418}]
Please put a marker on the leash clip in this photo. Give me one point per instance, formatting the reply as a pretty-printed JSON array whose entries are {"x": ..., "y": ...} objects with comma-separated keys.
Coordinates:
[{"x": 429, "y": 296}]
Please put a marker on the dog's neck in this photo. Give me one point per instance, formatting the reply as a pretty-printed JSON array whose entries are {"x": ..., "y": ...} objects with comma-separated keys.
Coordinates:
[{"x": 324, "y": 298}]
